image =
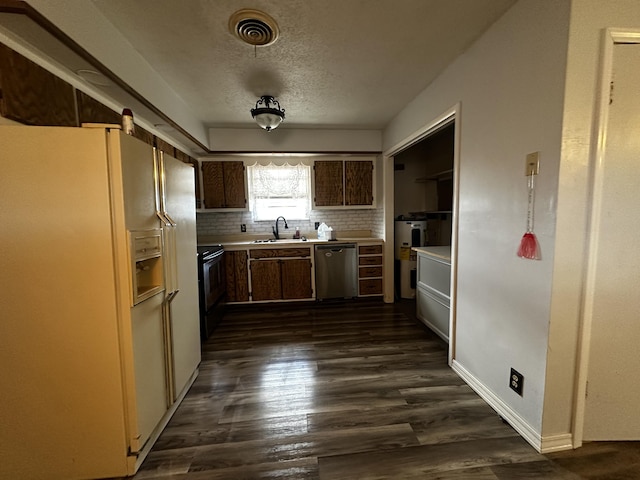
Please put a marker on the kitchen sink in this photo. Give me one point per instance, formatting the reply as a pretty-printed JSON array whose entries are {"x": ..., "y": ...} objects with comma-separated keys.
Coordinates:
[{"x": 281, "y": 240}]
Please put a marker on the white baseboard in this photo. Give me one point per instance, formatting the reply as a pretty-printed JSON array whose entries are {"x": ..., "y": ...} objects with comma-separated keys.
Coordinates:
[
  {"x": 556, "y": 443},
  {"x": 547, "y": 444}
]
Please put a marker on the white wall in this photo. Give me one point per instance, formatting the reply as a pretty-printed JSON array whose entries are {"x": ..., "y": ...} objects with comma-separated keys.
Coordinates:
[
  {"x": 286, "y": 139},
  {"x": 510, "y": 84},
  {"x": 588, "y": 19}
]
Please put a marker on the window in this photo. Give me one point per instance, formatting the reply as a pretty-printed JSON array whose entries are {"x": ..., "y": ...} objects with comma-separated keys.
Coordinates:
[{"x": 276, "y": 190}]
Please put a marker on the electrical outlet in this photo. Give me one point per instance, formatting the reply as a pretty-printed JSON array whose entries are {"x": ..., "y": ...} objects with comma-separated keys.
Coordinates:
[
  {"x": 316, "y": 225},
  {"x": 243, "y": 227},
  {"x": 516, "y": 381}
]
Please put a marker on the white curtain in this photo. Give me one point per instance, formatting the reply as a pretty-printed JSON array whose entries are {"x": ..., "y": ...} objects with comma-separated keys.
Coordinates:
[{"x": 276, "y": 190}]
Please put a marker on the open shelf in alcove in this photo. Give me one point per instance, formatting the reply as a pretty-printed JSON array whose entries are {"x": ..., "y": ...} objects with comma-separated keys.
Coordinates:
[{"x": 444, "y": 175}]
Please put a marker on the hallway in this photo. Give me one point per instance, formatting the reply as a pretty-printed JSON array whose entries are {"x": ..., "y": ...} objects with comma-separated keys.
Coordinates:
[{"x": 348, "y": 391}]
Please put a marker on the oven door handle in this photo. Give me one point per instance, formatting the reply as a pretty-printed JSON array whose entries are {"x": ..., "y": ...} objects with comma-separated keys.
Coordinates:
[{"x": 212, "y": 256}]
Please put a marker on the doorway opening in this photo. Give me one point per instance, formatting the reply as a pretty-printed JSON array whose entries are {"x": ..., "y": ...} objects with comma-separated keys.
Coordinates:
[
  {"x": 423, "y": 203},
  {"x": 421, "y": 181}
]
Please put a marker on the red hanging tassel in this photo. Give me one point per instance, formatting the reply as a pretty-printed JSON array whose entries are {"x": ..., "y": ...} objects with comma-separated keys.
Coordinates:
[
  {"x": 528, "y": 246},
  {"x": 529, "y": 243}
]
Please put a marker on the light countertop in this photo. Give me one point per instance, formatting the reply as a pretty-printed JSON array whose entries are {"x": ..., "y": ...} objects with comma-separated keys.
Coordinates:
[
  {"x": 235, "y": 243},
  {"x": 441, "y": 252}
]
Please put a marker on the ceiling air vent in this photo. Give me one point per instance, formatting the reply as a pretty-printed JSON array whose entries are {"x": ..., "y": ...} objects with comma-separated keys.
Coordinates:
[{"x": 254, "y": 27}]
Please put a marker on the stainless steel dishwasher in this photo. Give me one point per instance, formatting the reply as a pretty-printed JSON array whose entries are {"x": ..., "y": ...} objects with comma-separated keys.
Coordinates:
[{"x": 336, "y": 271}]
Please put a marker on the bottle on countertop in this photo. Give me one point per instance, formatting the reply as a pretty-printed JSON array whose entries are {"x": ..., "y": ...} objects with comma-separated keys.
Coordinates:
[{"x": 297, "y": 234}]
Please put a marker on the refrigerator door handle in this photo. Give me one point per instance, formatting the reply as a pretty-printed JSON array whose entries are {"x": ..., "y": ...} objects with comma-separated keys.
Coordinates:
[
  {"x": 163, "y": 191},
  {"x": 170, "y": 220},
  {"x": 168, "y": 350},
  {"x": 168, "y": 347},
  {"x": 160, "y": 185},
  {"x": 157, "y": 185},
  {"x": 171, "y": 296},
  {"x": 171, "y": 268}
]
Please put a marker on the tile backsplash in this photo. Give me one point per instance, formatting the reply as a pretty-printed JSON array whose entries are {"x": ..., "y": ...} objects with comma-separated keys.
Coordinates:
[{"x": 214, "y": 223}]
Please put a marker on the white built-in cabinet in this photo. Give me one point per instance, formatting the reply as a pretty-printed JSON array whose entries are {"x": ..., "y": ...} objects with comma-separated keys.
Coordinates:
[{"x": 433, "y": 290}]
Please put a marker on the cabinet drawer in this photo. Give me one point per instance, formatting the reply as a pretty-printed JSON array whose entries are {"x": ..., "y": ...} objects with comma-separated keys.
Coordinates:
[
  {"x": 370, "y": 249},
  {"x": 375, "y": 260},
  {"x": 370, "y": 272},
  {"x": 434, "y": 274},
  {"x": 279, "y": 252},
  {"x": 434, "y": 312},
  {"x": 371, "y": 286}
]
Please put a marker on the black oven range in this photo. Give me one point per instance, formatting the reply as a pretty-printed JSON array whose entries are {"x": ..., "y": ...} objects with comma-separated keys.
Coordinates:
[{"x": 211, "y": 286}]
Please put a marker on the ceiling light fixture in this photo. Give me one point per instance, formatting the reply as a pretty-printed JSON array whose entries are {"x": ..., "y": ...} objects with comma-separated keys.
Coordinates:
[{"x": 268, "y": 116}]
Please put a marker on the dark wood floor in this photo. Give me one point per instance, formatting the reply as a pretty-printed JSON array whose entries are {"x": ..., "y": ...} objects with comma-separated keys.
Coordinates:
[{"x": 353, "y": 391}]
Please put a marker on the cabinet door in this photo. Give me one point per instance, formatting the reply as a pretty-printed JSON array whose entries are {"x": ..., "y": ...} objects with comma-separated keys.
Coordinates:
[
  {"x": 213, "y": 184},
  {"x": 32, "y": 95},
  {"x": 92, "y": 111},
  {"x": 358, "y": 183},
  {"x": 223, "y": 184},
  {"x": 266, "y": 280},
  {"x": 236, "y": 276},
  {"x": 328, "y": 176},
  {"x": 296, "y": 278},
  {"x": 234, "y": 194}
]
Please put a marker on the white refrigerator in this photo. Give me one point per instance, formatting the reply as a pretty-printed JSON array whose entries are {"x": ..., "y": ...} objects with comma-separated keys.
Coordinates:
[{"x": 99, "y": 338}]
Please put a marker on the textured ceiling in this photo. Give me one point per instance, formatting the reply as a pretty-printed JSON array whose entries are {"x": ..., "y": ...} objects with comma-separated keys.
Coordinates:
[{"x": 337, "y": 63}]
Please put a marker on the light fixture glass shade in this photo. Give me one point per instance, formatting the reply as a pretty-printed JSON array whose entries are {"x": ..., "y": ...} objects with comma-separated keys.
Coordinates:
[
  {"x": 269, "y": 115},
  {"x": 267, "y": 120}
]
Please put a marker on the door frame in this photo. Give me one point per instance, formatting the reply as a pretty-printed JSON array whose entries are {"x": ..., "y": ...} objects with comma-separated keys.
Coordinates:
[
  {"x": 452, "y": 115},
  {"x": 610, "y": 37}
]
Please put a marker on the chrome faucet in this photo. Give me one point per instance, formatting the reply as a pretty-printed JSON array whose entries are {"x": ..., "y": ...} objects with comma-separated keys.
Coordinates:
[{"x": 275, "y": 230}]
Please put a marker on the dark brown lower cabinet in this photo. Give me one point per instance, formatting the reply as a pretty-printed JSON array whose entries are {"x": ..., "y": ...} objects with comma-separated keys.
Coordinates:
[
  {"x": 266, "y": 280},
  {"x": 296, "y": 278},
  {"x": 236, "y": 276},
  {"x": 370, "y": 270},
  {"x": 280, "y": 279}
]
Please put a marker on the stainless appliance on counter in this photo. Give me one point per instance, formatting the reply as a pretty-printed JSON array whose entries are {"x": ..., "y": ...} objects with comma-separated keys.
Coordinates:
[
  {"x": 336, "y": 270},
  {"x": 212, "y": 287}
]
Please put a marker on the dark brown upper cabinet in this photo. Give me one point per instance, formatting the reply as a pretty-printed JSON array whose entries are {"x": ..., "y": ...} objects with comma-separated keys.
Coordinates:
[
  {"x": 223, "y": 184},
  {"x": 341, "y": 183},
  {"x": 31, "y": 95}
]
